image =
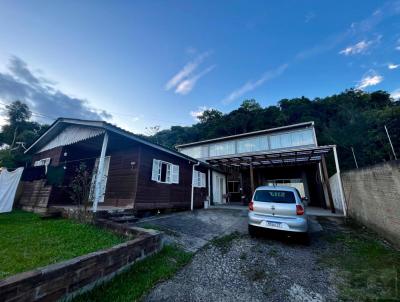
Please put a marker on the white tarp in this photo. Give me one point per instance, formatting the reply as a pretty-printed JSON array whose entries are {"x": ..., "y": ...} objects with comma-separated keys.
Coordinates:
[
  {"x": 8, "y": 187},
  {"x": 71, "y": 135}
]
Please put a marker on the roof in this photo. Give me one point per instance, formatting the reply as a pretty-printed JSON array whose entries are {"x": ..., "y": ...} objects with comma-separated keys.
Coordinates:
[
  {"x": 61, "y": 123},
  {"x": 265, "y": 131},
  {"x": 298, "y": 156}
]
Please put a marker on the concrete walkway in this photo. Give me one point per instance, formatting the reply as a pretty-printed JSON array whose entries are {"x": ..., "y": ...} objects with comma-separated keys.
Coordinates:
[{"x": 193, "y": 230}]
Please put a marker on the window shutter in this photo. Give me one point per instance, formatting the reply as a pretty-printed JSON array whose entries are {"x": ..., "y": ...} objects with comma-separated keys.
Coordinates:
[
  {"x": 175, "y": 174},
  {"x": 195, "y": 178},
  {"x": 156, "y": 171},
  {"x": 203, "y": 180}
]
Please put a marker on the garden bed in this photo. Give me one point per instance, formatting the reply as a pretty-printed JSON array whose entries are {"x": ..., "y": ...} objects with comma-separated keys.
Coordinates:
[
  {"x": 28, "y": 242},
  {"x": 95, "y": 254}
]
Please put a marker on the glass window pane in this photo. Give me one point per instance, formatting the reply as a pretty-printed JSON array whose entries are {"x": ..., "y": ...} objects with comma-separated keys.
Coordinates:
[
  {"x": 225, "y": 148},
  {"x": 254, "y": 144}
]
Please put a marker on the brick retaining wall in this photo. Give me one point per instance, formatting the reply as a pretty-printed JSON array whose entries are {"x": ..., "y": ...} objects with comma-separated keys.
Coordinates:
[{"x": 67, "y": 278}]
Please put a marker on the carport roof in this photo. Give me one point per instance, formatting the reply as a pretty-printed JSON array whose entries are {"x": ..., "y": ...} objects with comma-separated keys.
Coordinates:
[{"x": 274, "y": 158}]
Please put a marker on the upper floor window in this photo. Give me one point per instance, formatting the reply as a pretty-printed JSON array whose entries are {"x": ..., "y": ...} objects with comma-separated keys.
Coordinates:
[
  {"x": 165, "y": 172},
  {"x": 252, "y": 144},
  {"x": 292, "y": 139},
  {"x": 218, "y": 149}
]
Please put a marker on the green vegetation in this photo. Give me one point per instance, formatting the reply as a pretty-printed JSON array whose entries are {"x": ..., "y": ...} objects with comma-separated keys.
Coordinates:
[
  {"x": 352, "y": 118},
  {"x": 224, "y": 243},
  {"x": 349, "y": 119},
  {"x": 140, "y": 278},
  {"x": 28, "y": 242},
  {"x": 367, "y": 268}
]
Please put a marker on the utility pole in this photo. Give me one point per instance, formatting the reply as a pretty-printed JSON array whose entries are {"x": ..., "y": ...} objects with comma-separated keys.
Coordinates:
[
  {"x": 390, "y": 141},
  {"x": 354, "y": 156}
]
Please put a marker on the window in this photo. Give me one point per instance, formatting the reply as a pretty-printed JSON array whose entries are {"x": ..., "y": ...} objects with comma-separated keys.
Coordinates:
[
  {"x": 165, "y": 172},
  {"x": 233, "y": 186},
  {"x": 274, "y": 196},
  {"x": 199, "y": 179},
  {"x": 253, "y": 144},
  {"x": 42, "y": 162},
  {"x": 224, "y": 148},
  {"x": 196, "y": 152},
  {"x": 293, "y": 139}
]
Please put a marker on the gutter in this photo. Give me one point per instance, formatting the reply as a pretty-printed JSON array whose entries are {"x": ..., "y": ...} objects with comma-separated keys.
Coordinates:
[{"x": 192, "y": 196}]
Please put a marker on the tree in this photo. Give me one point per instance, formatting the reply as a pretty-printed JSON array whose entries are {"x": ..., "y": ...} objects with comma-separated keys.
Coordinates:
[
  {"x": 352, "y": 118},
  {"x": 250, "y": 105},
  {"x": 17, "y": 134},
  {"x": 210, "y": 115}
]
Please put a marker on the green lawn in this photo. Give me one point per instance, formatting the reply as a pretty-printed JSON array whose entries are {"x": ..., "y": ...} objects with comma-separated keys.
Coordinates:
[
  {"x": 367, "y": 267},
  {"x": 140, "y": 278},
  {"x": 28, "y": 242}
]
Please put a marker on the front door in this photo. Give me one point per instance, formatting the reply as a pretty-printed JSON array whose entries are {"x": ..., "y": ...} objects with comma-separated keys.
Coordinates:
[{"x": 219, "y": 188}]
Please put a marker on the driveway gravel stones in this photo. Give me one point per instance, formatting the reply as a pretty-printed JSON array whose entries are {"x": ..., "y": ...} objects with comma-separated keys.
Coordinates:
[{"x": 270, "y": 267}]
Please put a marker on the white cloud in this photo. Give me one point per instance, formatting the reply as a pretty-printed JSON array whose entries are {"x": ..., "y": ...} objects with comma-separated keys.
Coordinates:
[
  {"x": 251, "y": 85},
  {"x": 396, "y": 94},
  {"x": 187, "y": 85},
  {"x": 197, "y": 113},
  {"x": 182, "y": 80},
  {"x": 358, "y": 48},
  {"x": 393, "y": 66},
  {"x": 369, "y": 79}
]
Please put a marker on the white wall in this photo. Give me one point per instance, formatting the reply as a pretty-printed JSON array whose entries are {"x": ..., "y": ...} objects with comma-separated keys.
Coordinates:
[{"x": 336, "y": 195}]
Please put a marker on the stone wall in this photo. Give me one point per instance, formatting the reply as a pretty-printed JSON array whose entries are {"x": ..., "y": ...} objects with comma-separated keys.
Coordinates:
[
  {"x": 70, "y": 277},
  {"x": 373, "y": 198}
]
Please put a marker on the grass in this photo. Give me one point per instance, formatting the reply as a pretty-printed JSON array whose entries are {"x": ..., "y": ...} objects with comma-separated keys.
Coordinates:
[
  {"x": 140, "y": 278},
  {"x": 367, "y": 267},
  {"x": 28, "y": 242}
]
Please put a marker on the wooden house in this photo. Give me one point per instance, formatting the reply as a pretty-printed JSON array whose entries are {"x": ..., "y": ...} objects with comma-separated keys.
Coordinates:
[{"x": 129, "y": 172}]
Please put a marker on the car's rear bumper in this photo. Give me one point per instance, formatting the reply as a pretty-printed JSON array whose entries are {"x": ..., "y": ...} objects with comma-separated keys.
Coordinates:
[{"x": 290, "y": 224}]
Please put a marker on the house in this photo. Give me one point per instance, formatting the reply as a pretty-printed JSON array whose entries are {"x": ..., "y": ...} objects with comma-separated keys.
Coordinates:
[
  {"x": 287, "y": 155},
  {"x": 129, "y": 172}
]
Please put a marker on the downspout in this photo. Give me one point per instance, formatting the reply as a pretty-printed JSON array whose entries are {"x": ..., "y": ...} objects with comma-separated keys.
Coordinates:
[{"x": 192, "y": 196}]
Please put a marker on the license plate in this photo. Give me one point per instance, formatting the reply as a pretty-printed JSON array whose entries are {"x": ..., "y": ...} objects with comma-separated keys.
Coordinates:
[{"x": 271, "y": 224}]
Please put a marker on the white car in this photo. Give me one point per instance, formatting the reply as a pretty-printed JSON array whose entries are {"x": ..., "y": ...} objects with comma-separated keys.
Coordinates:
[{"x": 277, "y": 207}]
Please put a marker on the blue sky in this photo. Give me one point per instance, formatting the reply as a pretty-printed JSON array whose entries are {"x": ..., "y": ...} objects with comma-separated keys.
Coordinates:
[{"x": 146, "y": 63}]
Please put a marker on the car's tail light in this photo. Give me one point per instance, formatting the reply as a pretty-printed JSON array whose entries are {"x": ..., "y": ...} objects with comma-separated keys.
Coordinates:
[
  {"x": 299, "y": 209},
  {"x": 251, "y": 204}
]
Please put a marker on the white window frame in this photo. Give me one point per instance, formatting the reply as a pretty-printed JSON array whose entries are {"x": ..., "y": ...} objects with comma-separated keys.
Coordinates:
[
  {"x": 199, "y": 179},
  {"x": 42, "y": 162},
  {"x": 172, "y": 172}
]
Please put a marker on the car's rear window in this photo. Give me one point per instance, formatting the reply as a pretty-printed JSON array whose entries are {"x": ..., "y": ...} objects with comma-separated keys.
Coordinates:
[{"x": 274, "y": 196}]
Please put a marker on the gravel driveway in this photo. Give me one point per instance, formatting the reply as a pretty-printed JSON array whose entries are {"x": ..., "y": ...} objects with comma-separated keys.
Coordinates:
[{"x": 237, "y": 267}]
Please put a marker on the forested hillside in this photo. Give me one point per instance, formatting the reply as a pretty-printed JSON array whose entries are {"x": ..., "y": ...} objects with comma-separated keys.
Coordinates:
[{"x": 349, "y": 119}]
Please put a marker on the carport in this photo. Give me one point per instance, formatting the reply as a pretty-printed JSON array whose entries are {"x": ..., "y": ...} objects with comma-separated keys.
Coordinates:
[{"x": 299, "y": 166}]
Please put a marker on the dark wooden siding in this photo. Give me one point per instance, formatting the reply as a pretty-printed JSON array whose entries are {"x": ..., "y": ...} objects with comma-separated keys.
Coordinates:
[
  {"x": 152, "y": 195},
  {"x": 122, "y": 177}
]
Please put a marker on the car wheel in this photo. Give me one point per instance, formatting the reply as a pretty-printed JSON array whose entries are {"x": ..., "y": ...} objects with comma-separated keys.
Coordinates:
[{"x": 252, "y": 230}]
